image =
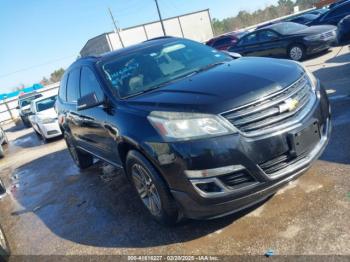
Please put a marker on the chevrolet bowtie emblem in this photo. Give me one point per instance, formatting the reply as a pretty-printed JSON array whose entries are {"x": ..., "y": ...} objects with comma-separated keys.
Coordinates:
[{"x": 289, "y": 105}]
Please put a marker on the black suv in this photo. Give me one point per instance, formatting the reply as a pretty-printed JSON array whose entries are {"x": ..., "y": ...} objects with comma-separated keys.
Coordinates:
[{"x": 198, "y": 133}]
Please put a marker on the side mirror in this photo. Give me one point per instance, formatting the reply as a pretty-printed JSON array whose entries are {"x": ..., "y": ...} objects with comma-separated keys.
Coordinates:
[
  {"x": 232, "y": 54},
  {"x": 17, "y": 107},
  {"x": 88, "y": 101}
]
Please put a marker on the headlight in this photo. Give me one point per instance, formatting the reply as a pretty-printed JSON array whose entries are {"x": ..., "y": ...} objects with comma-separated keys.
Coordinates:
[
  {"x": 47, "y": 120},
  {"x": 186, "y": 126},
  {"x": 312, "y": 37},
  {"x": 312, "y": 79}
]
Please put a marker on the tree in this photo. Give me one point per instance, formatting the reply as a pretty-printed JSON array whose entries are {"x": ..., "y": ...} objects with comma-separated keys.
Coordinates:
[
  {"x": 56, "y": 75},
  {"x": 244, "y": 19},
  {"x": 45, "y": 81}
]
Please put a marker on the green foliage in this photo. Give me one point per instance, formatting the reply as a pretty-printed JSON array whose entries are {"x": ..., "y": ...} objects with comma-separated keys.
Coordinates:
[
  {"x": 245, "y": 19},
  {"x": 55, "y": 77}
]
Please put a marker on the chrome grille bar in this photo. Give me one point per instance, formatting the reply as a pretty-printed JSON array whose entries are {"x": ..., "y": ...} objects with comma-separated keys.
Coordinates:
[{"x": 269, "y": 113}]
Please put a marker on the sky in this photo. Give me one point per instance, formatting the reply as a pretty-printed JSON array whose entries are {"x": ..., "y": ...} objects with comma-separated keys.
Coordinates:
[{"x": 40, "y": 36}]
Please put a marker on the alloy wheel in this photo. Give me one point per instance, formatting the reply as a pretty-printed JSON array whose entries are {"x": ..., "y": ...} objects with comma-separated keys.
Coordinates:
[
  {"x": 146, "y": 189},
  {"x": 296, "y": 53}
]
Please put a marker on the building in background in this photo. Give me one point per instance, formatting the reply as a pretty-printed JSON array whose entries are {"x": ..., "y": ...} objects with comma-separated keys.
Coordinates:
[{"x": 196, "y": 26}]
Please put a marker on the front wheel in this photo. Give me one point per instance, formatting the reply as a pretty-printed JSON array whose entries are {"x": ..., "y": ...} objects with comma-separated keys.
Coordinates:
[
  {"x": 82, "y": 159},
  {"x": 296, "y": 52},
  {"x": 152, "y": 190},
  {"x": 2, "y": 154}
]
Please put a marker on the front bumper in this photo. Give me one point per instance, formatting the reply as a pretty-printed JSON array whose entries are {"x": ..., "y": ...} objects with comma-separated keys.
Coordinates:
[
  {"x": 50, "y": 130},
  {"x": 252, "y": 153},
  {"x": 319, "y": 46}
]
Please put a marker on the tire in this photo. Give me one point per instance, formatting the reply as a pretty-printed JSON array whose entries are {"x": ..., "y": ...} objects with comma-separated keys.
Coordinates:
[
  {"x": 151, "y": 189},
  {"x": 82, "y": 159},
  {"x": 2, "y": 154},
  {"x": 296, "y": 52},
  {"x": 2, "y": 188},
  {"x": 4, "y": 247},
  {"x": 6, "y": 140},
  {"x": 26, "y": 122}
]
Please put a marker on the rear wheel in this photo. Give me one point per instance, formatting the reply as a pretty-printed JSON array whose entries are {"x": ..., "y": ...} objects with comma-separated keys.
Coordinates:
[
  {"x": 152, "y": 190},
  {"x": 296, "y": 52},
  {"x": 81, "y": 159}
]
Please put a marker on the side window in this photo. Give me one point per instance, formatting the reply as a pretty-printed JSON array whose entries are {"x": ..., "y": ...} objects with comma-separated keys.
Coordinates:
[
  {"x": 73, "y": 85},
  {"x": 249, "y": 39},
  {"x": 89, "y": 84},
  {"x": 267, "y": 35},
  {"x": 63, "y": 88}
]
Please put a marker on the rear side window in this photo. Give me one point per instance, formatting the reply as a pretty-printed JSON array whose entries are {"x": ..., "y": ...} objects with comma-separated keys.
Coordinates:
[
  {"x": 73, "y": 85},
  {"x": 63, "y": 88},
  {"x": 89, "y": 84},
  {"x": 267, "y": 36}
]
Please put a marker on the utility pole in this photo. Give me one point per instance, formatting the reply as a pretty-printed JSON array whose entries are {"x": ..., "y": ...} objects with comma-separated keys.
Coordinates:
[
  {"x": 116, "y": 28},
  {"x": 160, "y": 17}
]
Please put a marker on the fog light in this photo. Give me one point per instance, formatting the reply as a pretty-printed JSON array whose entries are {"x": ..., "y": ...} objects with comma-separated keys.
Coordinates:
[{"x": 209, "y": 187}]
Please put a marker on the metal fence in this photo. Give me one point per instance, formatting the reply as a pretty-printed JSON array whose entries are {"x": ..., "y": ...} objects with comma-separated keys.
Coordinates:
[{"x": 8, "y": 111}]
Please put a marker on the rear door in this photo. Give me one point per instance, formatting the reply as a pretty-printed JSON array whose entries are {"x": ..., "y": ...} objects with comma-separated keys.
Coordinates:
[
  {"x": 248, "y": 45},
  {"x": 72, "y": 120}
]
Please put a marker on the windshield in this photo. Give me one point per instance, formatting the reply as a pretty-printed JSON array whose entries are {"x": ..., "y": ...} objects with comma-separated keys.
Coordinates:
[
  {"x": 27, "y": 101},
  {"x": 288, "y": 28},
  {"x": 152, "y": 67},
  {"x": 46, "y": 103}
]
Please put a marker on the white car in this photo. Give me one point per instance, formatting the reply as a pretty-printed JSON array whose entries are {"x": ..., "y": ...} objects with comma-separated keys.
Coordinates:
[{"x": 44, "y": 118}]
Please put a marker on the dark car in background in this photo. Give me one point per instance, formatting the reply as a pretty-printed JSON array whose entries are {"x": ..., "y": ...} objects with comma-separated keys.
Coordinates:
[
  {"x": 334, "y": 15},
  {"x": 23, "y": 107},
  {"x": 3, "y": 141},
  {"x": 224, "y": 42},
  {"x": 319, "y": 11},
  {"x": 344, "y": 30},
  {"x": 304, "y": 19},
  {"x": 198, "y": 133},
  {"x": 337, "y": 3},
  {"x": 286, "y": 39}
]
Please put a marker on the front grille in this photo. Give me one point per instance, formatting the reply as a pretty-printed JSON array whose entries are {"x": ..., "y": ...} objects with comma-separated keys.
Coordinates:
[
  {"x": 270, "y": 113},
  {"x": 52, "y": 132},
  {"x": 237, "y": 180}
]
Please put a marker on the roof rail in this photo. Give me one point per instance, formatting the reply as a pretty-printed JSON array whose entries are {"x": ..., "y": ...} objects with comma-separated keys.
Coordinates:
[{"x": 159, "y": 37}]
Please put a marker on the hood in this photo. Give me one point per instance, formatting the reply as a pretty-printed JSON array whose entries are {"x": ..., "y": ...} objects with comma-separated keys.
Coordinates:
[
  {"x": 223, "y": 87},
  {"x": 317, "y": 29},
  {"x": 50, "y": 113}
]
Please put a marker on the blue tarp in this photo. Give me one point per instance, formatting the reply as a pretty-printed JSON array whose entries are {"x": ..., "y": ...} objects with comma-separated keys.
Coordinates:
[{"x": 25, "y": 90}]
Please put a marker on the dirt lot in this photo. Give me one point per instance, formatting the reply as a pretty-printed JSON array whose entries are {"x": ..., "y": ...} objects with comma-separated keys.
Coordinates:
[{"x": 53, "y": 208}]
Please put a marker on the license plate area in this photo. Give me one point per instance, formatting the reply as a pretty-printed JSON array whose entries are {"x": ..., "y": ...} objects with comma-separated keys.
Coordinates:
[{"x": 303, "y": 140}]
